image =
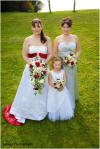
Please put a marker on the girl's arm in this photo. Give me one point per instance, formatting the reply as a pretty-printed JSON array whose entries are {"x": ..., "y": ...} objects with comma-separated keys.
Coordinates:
[
  {"x": 50, "y": 80},
  {"x": 64, "y": 77},
  {"x": 49, "y": 45},
  {"x": 25, "y": 51}
]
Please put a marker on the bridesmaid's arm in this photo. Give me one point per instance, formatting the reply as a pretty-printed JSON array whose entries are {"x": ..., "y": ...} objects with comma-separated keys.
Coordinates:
[
  {"x": 50, "y": 80},
  {"x": 55, "y": 47},
  {"x": 25, "y": 52},
  {"x": 78, "y": 48},
  {"x": 49, "y": 45}
]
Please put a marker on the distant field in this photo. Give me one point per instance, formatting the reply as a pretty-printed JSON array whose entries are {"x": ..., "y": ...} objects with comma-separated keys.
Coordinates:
[{"x": 82, "y": 130}]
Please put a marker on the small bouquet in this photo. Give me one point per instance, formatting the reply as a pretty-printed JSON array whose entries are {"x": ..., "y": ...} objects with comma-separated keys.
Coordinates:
[
  {"x": 70, "y": 60},
  {"x": 38, "y": 74},
  {"x": 58, "y": 84}
]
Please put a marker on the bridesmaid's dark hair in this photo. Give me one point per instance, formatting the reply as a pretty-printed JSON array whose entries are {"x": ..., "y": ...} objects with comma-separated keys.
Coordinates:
[
  {"x": 55, "y": 59},
  {"x": 67, "y": 21},
  {"x": 42, "y": 36}
]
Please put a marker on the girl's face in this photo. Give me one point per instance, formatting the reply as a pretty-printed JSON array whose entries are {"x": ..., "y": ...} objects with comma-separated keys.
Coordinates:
[
  {"x": 37, "y": 29},
  {"x": 65, "y": 29},
  {"x": 57, "y": 65}
]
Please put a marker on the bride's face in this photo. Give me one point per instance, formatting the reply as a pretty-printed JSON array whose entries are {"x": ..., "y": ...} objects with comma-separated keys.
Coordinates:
[
  {"x": 37, "y": 28},
  {"x": 65, "y": 29},
  {"x": 57, "y": 65}
]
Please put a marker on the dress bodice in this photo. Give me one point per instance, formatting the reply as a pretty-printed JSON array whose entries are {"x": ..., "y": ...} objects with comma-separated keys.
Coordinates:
[
  {"x": 37, "y": 51},
  {"x": 56, "y": 76},
  {"x": 64, "y": 49}
]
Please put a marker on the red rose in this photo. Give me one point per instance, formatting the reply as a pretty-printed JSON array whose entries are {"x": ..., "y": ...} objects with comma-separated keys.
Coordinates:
[
  {"x": 43, "y": 65},
  {"x": 37, "y": 64},
  {"x": 54, "y": 83},
  {"x": 68, "y": 62},
  {"x": 72, "y": 63},
  {"x": 44, "y": 72},
  {"x": 30, "y": 66},
  {"x": 36, "y": 76},
  {"x": 36, "y": 88},
  {"x": 71, "y": 54},
  {"x": 65, "y": 58}
]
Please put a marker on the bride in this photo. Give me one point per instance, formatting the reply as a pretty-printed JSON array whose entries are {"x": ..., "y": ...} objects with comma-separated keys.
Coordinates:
[{"x": 26, "y": 105}]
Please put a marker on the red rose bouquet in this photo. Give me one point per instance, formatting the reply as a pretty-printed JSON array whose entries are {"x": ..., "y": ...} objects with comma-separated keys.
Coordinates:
[{"x": 38, "y": 74}]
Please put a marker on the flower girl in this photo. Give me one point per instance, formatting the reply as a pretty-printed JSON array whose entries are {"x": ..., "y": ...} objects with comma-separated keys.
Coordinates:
[{"x": 60, "y": 105}]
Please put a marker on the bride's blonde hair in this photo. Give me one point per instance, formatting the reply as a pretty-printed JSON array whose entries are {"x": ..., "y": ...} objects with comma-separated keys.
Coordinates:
[{"x": 55, "y": 59}]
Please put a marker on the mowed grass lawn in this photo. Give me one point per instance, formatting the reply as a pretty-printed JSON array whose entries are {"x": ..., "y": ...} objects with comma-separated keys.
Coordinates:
[{"x": 82, "y": 130}]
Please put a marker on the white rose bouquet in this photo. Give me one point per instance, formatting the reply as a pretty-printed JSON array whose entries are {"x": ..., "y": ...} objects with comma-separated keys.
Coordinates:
[{"x": 70, "y": 60}]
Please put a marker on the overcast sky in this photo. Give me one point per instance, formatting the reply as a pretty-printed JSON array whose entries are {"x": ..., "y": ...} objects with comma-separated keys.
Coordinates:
[{"x": 61, "y": 5}]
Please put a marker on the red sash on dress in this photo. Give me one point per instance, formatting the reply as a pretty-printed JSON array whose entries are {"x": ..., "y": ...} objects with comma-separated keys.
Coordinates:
[{"x": 42, "y": 55}]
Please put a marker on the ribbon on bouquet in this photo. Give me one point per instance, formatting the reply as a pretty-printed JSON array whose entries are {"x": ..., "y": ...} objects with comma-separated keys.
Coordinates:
[{"x": 42, "y": 55}]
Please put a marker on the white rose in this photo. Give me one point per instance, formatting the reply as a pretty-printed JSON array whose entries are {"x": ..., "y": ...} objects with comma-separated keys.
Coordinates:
[
  {"x": 41, "y": 81},
  {"x": 69, "y": 65}
]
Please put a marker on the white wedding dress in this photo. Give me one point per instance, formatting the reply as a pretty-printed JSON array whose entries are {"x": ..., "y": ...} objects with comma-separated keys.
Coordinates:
[
  {"x": 26, "y": 105},
  {"x": 60, "y": 105}
]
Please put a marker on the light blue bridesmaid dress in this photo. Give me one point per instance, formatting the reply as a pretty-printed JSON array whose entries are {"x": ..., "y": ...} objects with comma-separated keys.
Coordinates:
[{"x": 65, "y": 49}]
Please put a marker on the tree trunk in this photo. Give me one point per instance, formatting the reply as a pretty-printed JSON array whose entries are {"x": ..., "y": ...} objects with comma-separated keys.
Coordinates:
[
  {"x": 74, "y": 6},
  {"x": 49, "y": 6}
]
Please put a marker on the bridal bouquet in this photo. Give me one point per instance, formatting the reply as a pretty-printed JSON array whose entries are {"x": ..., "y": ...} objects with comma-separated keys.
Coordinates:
[
  {"x": 70, "y": 60},
  {"x": 38, "y": 74},
  {"x": 58, "y": 84}
]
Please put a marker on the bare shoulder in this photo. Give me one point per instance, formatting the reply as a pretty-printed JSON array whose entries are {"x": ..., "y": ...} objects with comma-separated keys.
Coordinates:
[
  {"x": 58, "y": 37},
  {"x": 27, "y": 39},
  {"x": 74, "y": 36},
  {"x": 48, "y": 38}
]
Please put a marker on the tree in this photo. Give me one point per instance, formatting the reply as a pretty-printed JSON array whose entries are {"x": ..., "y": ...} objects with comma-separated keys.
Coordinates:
[
  {"x": 25, "y": 6},
  {"x": 38, "y": 5},
  {"x": 49, "y": 6},
  {"x": 74, "y": 6}
]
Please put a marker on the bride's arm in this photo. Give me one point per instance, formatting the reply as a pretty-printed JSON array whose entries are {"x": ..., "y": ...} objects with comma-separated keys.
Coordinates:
[
  {"x": 55, "y": 47},
  {"x": 25, "y": 51},
  {"x": 49, "y": 45},
  {"x": 78, "y": 47}
]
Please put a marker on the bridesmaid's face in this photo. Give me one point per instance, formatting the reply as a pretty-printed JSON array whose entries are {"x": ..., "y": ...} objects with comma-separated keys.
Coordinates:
[
  {"x": 37, "y": 29},
  {"x": 65, "y": 29},
  {"x": 57, "y": 65}
]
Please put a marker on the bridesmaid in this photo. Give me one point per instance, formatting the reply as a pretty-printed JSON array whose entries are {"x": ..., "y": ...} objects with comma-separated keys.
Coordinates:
[{"x": 64, "y": 45}]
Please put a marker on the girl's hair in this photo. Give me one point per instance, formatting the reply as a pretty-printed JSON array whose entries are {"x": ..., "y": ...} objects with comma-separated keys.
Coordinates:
[
  {"x": 67, "y": 21},
  {"x": 55, "y": 59},
  {"x": 42, "y": 36}
]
